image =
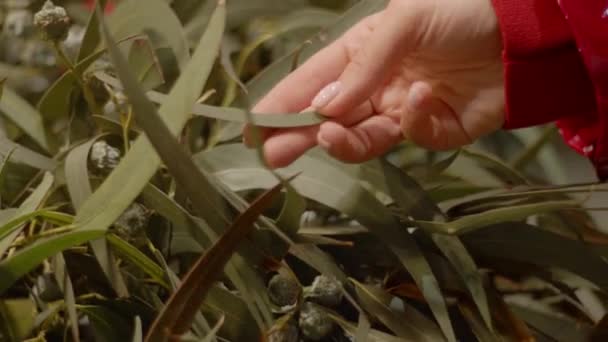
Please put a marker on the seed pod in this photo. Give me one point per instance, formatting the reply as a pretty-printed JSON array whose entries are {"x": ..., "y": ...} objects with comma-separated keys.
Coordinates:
[
  {"x": 133, "y": 220},
  {"x": 283, "y": 291},
  {"x": 53, "y": 22},
  {"x": 314, "y": 323},
  {"x": 104, "y": 157},
  {"x": 327, "y": 291}
]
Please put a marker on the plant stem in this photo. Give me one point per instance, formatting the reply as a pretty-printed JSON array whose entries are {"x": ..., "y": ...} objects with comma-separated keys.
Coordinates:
[
  {"x": 25, "y": 240},
  {"x": 528, "y": 154},
  {"x": 86, "y": 91},
  {"x": 126, "y": 119}
]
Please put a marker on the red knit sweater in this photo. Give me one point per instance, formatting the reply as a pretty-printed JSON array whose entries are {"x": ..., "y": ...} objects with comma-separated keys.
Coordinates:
[{"x": 555, "y": 56}]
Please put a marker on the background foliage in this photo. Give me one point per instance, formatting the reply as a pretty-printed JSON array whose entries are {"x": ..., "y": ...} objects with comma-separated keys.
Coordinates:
[{"x": 130, "y": 210}]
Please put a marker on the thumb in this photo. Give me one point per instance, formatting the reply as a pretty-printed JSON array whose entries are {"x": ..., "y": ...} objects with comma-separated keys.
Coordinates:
[{"x": 374, "y": 51}]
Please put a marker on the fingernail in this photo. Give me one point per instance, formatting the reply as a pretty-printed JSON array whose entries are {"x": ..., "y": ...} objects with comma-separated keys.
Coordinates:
[
  {"x": 326, "y": 94},
  {"x": 414, "y": 98}
]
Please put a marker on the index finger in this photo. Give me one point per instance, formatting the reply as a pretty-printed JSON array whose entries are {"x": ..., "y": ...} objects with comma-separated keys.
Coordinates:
[{"x": 296, "y": 91}]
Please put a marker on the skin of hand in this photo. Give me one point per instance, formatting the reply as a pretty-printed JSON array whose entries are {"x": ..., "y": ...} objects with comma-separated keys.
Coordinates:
[{"x": 425, "y": 70}]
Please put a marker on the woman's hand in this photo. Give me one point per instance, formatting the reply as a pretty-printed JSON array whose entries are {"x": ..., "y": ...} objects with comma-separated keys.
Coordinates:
[{"x": 426, "y": 70}]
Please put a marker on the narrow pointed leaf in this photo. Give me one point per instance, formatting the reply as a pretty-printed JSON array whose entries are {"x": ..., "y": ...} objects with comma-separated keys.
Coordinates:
[
  {"x": 379, "y": 309},
  {"x": 25, "y": 116},
  {"x": 500, "y": 169},
  {"x": 176, "y": 317},
  {"x": 155, "y": 19},
  {"x": 91, "y": 38},
  {"x": 474, "y": 222},
  {"x": 24, "y": 260},
  {"x": 27, "y": 207},
  {"x": 79, "y": 188},
  {"x": 142, "y": 156},
  {"x": 240, "y": 169},
  {"x": 62, "y": 276},
  {"x": 232, "y": 114},
  {"x": 529, "y": 244},
  {"x": 197, "y": 185},
  {"x": 23, "y": 155},
  {"x": 133, "y": 255}
]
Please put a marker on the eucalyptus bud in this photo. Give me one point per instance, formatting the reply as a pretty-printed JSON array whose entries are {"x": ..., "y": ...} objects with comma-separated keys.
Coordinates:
[
  {"x": 314, "y": 323},
  {"x": 104, "y": 157},
  {"x": 53, "y": 22},
  {"x": 327, "y": 291},
  {"x": 133, "y": 220},
  {"x": 283, "y": 291}
]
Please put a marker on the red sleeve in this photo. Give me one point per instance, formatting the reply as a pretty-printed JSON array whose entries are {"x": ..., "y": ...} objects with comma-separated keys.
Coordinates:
[
  {"x": 545, "y": 77},
  {"x": 109, "y": 5}
]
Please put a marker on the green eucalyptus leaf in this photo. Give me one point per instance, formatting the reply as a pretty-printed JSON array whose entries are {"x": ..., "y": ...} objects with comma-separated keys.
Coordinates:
[
  {"x": 79, "y": 189},
  {"x": 239, "y": 168},
  {"x": 155, "y": 19},
  {"x": 470, "y": 223},
  {"x": 26, "y": 117},
  {"x": 65, "y": 283},
  {"x": 379, "y": 308},
  {"x": 55, "y": 102},
  {"x": 91, "y": 38},
  {"x": 9, "y": 231},
  {"x": 525, "y": 243},
  {"x": 130, "y": 253}
]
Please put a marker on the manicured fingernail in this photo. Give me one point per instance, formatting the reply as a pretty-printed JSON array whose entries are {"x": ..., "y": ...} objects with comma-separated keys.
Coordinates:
[
  {"x": 414, "y": 98},
  {"x": 326, "y": 94}
]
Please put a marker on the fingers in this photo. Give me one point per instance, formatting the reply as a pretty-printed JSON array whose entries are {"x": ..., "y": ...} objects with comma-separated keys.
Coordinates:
[
  {"x": 371, "y": 63},
  {"x": 263, "y": 132},
  {"x": 296, "y": 91},
  {"x": 430, "y": 122},
  {"x": 369, "y": 139},
  {"x": 284, "y": 146},
  {"x": 360, "y": 60}
]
